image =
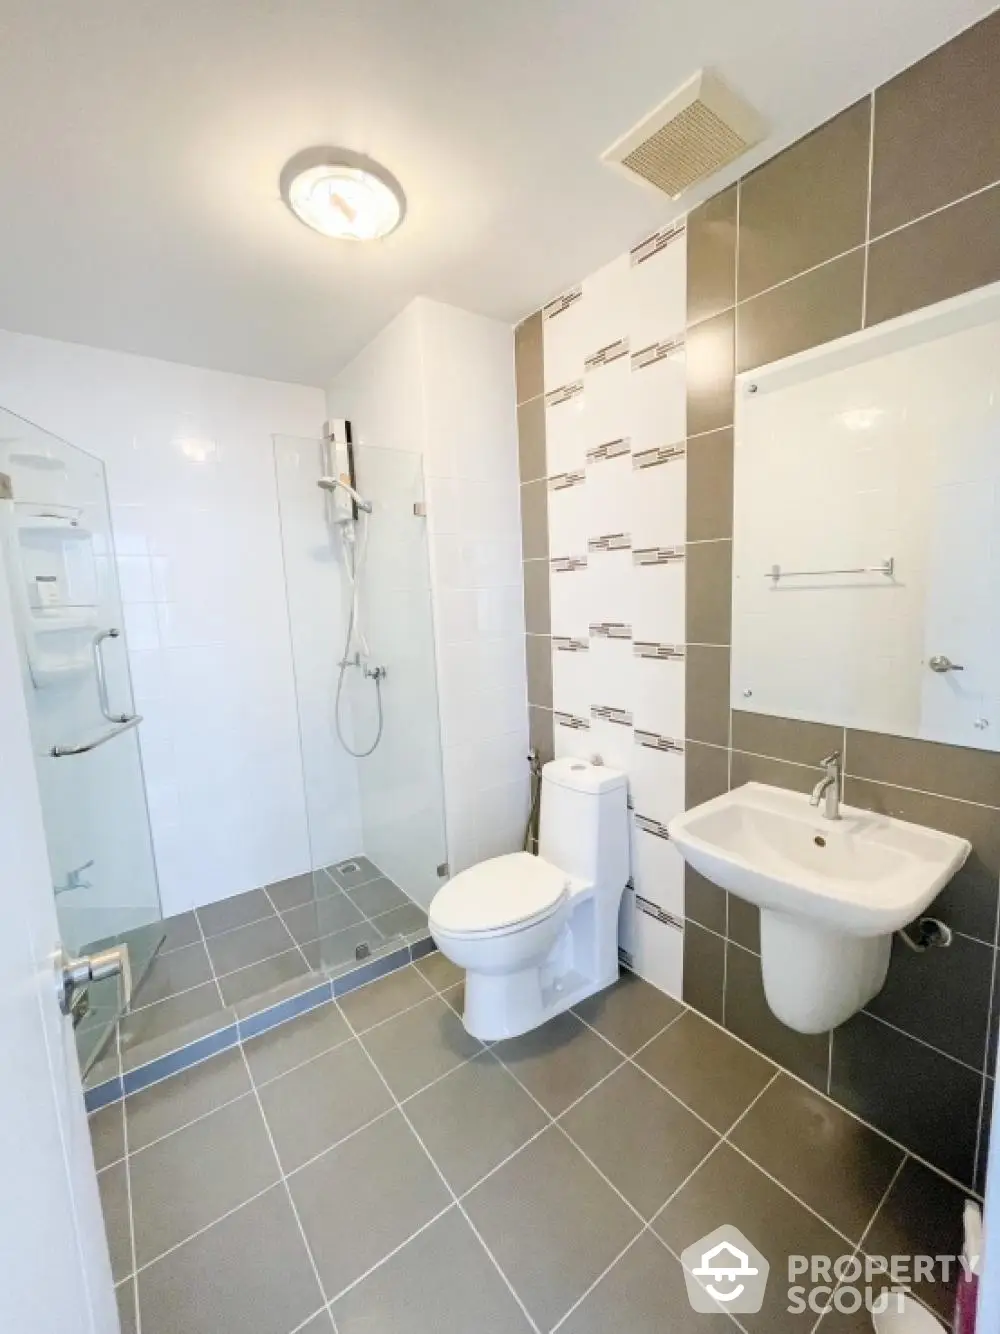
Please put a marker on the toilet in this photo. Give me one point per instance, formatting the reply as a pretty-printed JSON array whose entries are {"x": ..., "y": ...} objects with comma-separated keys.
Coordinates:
[{"x": 536, "y": 935}]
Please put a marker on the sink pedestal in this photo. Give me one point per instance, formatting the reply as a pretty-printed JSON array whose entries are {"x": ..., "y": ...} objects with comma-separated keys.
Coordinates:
[{"x": 815, "y": 979}]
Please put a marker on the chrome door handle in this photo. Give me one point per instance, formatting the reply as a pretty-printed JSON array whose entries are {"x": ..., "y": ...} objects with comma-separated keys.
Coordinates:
[
  {"x": 73, "y": 973},
  {"x": 101, "y": 674},
  {"x": 82, "y": 747},
  {"x": 941, "y": 664}
]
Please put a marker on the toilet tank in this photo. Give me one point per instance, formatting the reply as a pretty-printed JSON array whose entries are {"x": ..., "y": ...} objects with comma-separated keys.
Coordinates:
[{"x": 584, "y": 822}]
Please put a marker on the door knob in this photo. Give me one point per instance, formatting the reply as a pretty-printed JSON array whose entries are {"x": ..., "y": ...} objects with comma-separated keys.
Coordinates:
[
  {"x": 72, "y": 973},
  {"x": 939, "y": 663}
]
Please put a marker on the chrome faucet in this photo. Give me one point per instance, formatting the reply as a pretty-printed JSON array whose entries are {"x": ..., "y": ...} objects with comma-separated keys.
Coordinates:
[{"x": 828, "y": 787}]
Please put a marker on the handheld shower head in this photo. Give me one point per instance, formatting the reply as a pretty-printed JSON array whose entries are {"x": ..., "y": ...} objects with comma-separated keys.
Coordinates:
[{"x": 335, "y": 483}]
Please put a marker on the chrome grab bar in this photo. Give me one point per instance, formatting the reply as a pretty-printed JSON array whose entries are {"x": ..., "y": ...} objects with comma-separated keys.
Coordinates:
[
  {"x": 102, "y": 679},
  {"x": 887, "y": 567},
  {"x": 82, "y": 747}
]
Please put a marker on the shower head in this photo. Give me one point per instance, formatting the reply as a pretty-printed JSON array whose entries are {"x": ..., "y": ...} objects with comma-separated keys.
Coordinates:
[{"x": 334, "y": 484}]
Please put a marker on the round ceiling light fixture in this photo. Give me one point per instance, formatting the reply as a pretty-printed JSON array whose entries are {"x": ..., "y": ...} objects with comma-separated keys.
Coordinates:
[{"x": 342, "y": 194}]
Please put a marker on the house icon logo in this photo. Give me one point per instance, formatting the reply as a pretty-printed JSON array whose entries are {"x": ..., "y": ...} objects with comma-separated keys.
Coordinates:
[{"x": 725, "y": 1272}]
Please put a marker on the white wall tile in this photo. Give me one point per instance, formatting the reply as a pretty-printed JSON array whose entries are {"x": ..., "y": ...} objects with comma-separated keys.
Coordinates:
[
  {"x": 565, "y": 340},
  {"x": 658, "y": 953},
  {"x": 657, "y": 295}
]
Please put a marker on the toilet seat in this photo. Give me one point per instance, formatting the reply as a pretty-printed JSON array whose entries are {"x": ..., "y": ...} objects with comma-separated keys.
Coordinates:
[{"x": 499, "y": 896}]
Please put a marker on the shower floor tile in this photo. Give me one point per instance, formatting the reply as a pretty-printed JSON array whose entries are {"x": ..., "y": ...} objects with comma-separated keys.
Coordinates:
[
  {"x": 542, "y": 1183},
  {"x": 242, "y": 949}
]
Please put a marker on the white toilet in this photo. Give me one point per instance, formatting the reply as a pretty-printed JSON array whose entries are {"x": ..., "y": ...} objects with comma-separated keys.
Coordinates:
[{"x": 538, "y": 934}]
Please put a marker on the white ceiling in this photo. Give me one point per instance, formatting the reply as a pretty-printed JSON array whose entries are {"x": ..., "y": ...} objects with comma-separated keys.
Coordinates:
[{"x": 142, "y": 142}]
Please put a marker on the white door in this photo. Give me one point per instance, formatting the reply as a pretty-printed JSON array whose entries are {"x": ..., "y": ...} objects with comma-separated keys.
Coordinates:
[{"x": 55, "y": 1275}]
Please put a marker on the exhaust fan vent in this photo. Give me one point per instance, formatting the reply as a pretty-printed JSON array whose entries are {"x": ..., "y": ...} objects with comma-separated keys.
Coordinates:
[{"x": 693, "y": 134}]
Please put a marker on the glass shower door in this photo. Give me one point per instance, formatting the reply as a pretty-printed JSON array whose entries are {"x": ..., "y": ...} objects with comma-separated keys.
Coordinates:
[{"x": 58, "y": 553}]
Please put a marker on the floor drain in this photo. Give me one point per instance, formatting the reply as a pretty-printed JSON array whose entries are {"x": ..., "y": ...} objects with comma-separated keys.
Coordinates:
[{"x": 362, "y": 951}]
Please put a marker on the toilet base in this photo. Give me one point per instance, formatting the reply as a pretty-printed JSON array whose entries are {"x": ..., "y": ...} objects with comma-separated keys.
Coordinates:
[{"x": 509, "y": 1004}]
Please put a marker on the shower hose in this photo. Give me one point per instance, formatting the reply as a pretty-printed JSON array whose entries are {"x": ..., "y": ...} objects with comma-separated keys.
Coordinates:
[{"x": 354, "y": 563}]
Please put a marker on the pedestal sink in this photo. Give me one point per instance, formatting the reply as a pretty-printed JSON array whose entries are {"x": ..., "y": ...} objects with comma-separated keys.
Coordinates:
[{"x": 831, "y": 892}]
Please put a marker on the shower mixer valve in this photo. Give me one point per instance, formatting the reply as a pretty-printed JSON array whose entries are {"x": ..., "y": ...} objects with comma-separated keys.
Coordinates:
[{"x": 375, "y": 673}]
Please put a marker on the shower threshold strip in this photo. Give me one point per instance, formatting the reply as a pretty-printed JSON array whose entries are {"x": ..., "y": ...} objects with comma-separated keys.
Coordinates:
[{"x": 312, "y": 995}]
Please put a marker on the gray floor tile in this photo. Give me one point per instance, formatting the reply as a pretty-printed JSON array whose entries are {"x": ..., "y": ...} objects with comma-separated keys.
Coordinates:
[
  {"x": 551, "y": 1243},
  {"x": 823, "y": 1155},
  {"x": 125, "y": 1298},
  {"x": 419, "y": 1046},
  {"x": 113, "y": 1185},
  {"x": 288, "y": 1045},
  {"x": 454, "y": 998},
  {"x": 296, "y": 891},
  {"x": 180, "y": 931},
  {"x": 319, "y": 1324},
  {"x": 558, "y": 1062},
  {"x": 178, "y": 971},
  {"x": 160, "y": 1028},
  {"x": 167, "y": 1106},
  {"x": 189, "y": 1180},
  {"x": 353, "y": 872},
  {"x": 460, "y": 1289},
  {"x": 240, "y": 910},
  {"x": 473, "y": 1119},
  {"x": 629, "y": 1013},
  {"x": 403, "y": 921},
  {"x": 341, "y": 947},
  {"x": 350, "y": 1225},
  {"x": 641, "y": 1138},
  {"x": 714, "y": 1074},
  {"x": 439, "y": 971},
  {"x": 382, "y": 999},
  {"x": 335, "y": 912},
  {"x": 262, "y": 977},
  {"x": 107, "y": 1134},
  {"x": 728, "y": 1189},
  {"x": 378, "y": 896},
  {"x": 921, "y": 1216},
  {"x": 643, "y": 1293},
  {"x": 249, "y": 944},
  {"x": 266, "y": 1000},
  {"x": 249, "y": 1274},
  {"x": 319, "y": 1103}
]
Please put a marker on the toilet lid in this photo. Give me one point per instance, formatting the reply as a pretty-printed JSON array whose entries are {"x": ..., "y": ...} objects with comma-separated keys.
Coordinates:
[{"x": 504, "y": 891}]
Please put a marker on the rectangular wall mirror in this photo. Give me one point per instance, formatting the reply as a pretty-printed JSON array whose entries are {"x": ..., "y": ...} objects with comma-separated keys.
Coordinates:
[{"x": 866, "y": 550}]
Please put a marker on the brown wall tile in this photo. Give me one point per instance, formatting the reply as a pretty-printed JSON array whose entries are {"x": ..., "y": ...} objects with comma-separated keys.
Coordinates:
[
  {"x": 540, "y": 732},
  {"x": 706, "y": 773},
  {"x": 528, "y": 358},
  {"x": 937, "y": 128},
  {"x": 704, "y": 902},
  {"x": 710, "y": 486},
  {"x": 537, "y": 614},
  {"x": 744, "y": 923},
  {"x": 951, "y": 771},
  {"x": 777, "y": 773},
  {"x": 535, "y": 521},
  {"x": 710, "y": 361},
  {"x": 951, "y": 252},
  {"x": 811, "y": 309},
  {"x": 706, "y": 686},
  {"x": 531, "y": 439},
  {"x": 704, "y": 970},
  {"x": 969, "y": 903},
  {"x": 538, "y": 651},
  {"x": 806, "y": 205},
  {"x": 711, "y": 257},
  {"x": 709, "y": 592},
  {"x": 785, "y": 738}
]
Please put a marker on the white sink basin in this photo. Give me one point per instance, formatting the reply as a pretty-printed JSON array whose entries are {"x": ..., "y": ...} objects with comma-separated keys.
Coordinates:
[{"x": 831, "y": 892}]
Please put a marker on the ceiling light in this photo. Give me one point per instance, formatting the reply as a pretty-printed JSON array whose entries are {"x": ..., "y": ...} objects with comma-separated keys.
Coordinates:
[{"x": 343, "y": 195}]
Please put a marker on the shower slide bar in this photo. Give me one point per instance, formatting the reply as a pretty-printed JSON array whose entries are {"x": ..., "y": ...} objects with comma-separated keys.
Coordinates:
[{"x": 82, "y": 747}]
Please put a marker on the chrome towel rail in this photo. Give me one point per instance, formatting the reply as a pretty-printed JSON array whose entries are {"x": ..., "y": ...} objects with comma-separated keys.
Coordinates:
[
  {"x": 887, "y": 567},
  {"x": 82, "y": 747}
]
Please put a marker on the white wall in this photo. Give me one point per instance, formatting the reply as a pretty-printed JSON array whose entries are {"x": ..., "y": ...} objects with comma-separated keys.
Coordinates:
[
  {"x": 615, "y": 423},
  {"x": 194, "y": 506},
  {"x": 439, "y": 381}
]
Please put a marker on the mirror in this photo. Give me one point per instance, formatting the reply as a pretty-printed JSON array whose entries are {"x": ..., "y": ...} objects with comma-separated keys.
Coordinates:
[{"x": 866, "y": 547}]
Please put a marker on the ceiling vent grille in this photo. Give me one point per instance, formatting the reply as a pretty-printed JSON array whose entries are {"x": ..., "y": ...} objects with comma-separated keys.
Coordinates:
[{"x": 693, "y": 134}]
